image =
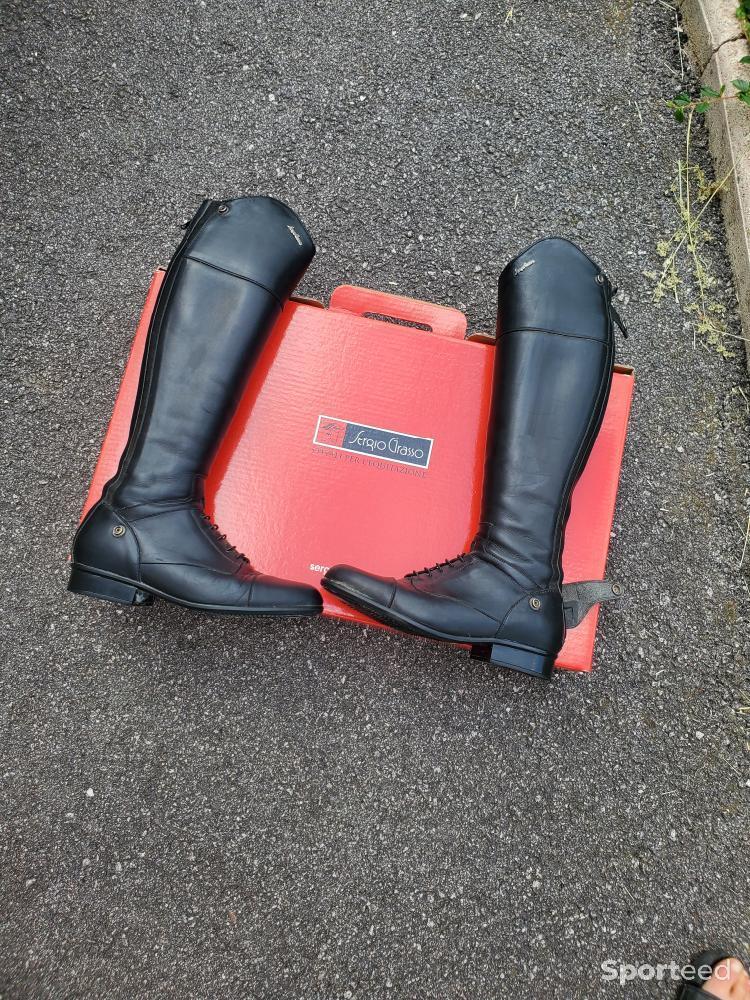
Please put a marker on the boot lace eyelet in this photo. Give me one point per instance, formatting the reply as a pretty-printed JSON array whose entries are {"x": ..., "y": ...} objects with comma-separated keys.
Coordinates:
[
  {"x": 227, "y": 545},
  {"x": 437, "y": 568}
]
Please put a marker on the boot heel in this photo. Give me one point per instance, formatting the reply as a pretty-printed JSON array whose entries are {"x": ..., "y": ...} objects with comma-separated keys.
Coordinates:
[
  {"x": 525, "y": 661},
  {"x": 106, "y": 589}
]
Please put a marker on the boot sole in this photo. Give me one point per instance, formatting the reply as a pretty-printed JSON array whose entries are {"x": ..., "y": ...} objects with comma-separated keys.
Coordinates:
[
  {"x": 119, "y": 590},
  {"x": 511, "y": 655}
]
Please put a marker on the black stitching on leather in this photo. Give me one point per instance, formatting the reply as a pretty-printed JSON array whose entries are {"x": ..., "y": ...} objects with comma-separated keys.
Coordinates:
[
  {"x": 554, "y": 333},
  {"x": 234, "y": 274}
]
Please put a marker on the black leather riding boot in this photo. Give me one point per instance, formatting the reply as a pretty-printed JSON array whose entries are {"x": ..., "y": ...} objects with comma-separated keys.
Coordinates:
[
  {"x": 149, "y": 534},
  {"x": 553, "y": 369}
]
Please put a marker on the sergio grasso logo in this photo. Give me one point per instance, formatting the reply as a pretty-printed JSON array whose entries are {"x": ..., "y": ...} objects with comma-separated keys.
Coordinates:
[{"x": 393, "y": 446}]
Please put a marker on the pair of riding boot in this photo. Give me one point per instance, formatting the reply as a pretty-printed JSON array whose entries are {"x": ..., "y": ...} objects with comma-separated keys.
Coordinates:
[{"x": 237, "y": 265}]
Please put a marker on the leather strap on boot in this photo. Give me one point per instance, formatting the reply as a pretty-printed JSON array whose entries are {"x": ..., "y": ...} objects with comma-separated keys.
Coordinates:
[{"x": 579, "y": 598}]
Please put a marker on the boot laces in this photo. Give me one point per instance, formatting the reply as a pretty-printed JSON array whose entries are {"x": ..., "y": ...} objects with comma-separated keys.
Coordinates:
[
  {"x": 226, "y": 544},
  {"x": 438, "y": 567}
]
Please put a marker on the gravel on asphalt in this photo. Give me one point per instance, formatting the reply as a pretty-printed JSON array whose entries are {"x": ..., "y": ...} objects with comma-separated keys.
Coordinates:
[{"x": 201, "y": 807}]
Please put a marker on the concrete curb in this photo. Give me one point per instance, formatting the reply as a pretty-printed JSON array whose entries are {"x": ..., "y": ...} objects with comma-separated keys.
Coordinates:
[{"x": 718, "y": 44}]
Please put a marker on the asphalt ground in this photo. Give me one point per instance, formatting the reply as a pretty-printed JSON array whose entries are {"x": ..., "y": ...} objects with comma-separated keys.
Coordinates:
[{"x": 201, "y": 807}]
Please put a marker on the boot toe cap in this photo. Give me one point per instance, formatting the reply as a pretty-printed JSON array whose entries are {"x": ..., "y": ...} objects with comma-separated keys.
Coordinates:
[
  {"x": 269, "y": 593},
  {"x": 348, "y": 580}
]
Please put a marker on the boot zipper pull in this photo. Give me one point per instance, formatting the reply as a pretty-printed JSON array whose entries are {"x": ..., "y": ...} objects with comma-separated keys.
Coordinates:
[
  {"x": 618, "y": 320},
  {"x": 610, "y": 292}
]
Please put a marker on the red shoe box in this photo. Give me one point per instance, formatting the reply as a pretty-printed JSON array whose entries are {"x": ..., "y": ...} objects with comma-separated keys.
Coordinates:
[{"x": 361, "y": 440}]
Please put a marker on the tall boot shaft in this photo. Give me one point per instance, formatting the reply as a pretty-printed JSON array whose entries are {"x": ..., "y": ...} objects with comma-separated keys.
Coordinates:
[
  {"x": 553, "y": 364},
  {"x": 553, "y": 369},
  {"x": 223, "y": 291},
  {"x": 149, "y": 535}
]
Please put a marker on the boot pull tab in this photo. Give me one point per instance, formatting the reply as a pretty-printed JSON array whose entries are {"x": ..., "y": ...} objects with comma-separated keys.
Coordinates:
[
  {"x": 579, "y": 598},
  {"x": 610, "y": 292},
  {"x": 618, "y": 320}
]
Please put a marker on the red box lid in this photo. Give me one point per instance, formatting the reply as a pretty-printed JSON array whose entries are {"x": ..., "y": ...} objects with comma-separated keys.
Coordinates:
[{"x": 287, "y": 494}]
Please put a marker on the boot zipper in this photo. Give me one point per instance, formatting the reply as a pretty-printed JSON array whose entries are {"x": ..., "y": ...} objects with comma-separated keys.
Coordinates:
[
  {"x": 191, "y": 228},
  {"x": 607, "y": 292}
]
